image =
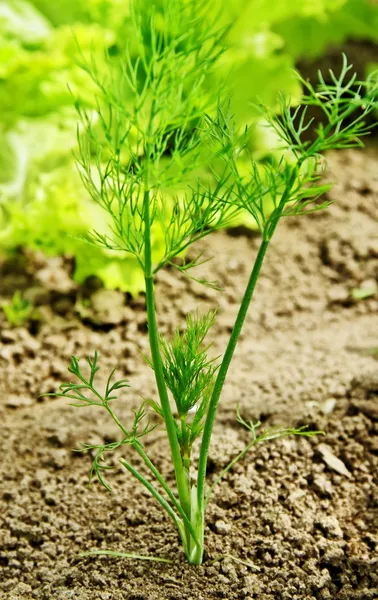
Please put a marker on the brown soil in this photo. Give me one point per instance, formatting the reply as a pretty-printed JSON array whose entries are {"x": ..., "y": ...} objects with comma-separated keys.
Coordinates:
[{"x": 304, "y": 525}]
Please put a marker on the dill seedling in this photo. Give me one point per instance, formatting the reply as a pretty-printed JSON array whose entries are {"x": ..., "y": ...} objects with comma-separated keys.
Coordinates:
[
  {"x": 18, "y": 310},
  {"x": 139, "y": 157}
]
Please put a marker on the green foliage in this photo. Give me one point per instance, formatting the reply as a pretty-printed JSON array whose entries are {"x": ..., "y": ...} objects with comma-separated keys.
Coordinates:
[
  {"x": 42, "y": 203},
  {"x": 292, "y": 182},
  {"x": 258, "y": 436},
  {"x": 164, "y": 163},
  {"x": 18, "y": 310},
  {"x": 39, "y": 43},
  {"x": 188, "y": 372},
  {"x": 74, "y": 391},
  {"x": 152, "y": 143},
  {"x": 86, "y": 393},
  {"x": 142, "y": 190}
]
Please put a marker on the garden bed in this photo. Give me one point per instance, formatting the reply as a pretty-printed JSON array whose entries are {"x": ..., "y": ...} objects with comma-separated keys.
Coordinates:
[{"x": 289, "y": 522}]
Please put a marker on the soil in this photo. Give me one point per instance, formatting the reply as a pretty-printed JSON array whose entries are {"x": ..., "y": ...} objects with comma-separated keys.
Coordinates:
[{"x": 297, "y": 519}]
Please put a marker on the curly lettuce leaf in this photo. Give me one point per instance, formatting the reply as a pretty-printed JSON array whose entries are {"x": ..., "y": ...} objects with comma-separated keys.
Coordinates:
[
  {"x": 310, "y": 37},
  {"x": 45, "y": 207},
  {"x": 20, "y": 20},
  {"x": 45, "y": 79},
  {"x": 108, "y": 13}
]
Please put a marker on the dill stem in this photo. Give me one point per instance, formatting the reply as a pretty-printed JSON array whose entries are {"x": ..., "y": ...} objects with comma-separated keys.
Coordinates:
[
  {"x": 232, "y": 342},
  {"x": 222, "y": 373},
  {"x": 181, "y": 479}
]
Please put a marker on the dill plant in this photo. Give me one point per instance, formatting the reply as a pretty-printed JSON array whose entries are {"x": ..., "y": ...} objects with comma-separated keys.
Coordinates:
[{"x": 141, "y": 158}]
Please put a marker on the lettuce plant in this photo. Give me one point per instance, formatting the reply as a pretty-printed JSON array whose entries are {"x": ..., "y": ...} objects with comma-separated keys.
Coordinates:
[{"x": 139, "y": 161}]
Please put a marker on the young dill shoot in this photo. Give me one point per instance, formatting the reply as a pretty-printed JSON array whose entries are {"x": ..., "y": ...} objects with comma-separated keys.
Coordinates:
[
  {"x": 18, "y": 310},
  {"x": 139, "y": 156}
]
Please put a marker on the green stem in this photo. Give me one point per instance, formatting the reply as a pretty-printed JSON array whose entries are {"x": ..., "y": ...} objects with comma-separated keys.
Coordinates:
[
  {"x": 167, "y": 489},
  {"x": 218, "y": 386},
  {"x": 182, "y": 484},
  {"x": 139, "y": 448},
  {"x": 222, "y": 373},
  {"x": 116, "y": 419},
  {"x": 147, "y": 484},
  {"x": 185, "y": 444}
]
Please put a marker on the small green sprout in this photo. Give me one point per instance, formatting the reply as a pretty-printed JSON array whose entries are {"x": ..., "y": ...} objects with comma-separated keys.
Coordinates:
[
  {"x": 364, "y": 292},
  {"x": 18, "y": 310},
  {"x": 139, "y": 158}
]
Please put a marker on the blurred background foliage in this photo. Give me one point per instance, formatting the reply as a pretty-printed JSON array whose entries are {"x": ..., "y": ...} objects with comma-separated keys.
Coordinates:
[{"x": 41, "y": 196}]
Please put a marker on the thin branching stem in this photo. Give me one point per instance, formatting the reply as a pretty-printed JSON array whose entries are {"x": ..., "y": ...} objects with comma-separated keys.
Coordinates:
[
  {"x": 167, "y": 489},
  {"x": 183, "y": 491},
  {"x": 222, "y": 373},
  {"x": 148, "y": 485}
]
